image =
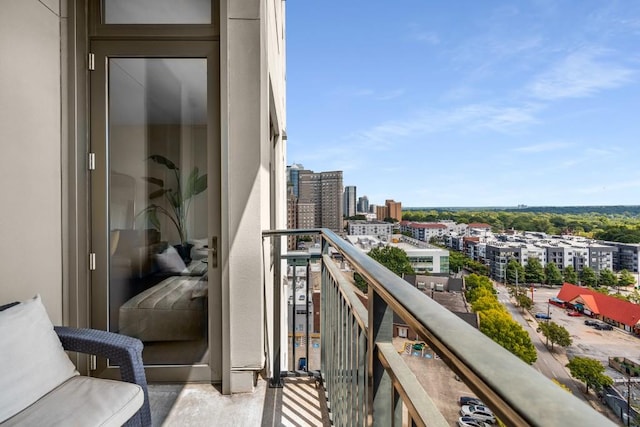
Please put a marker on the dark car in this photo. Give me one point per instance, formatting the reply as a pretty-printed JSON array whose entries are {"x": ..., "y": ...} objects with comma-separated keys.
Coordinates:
[
  {"x": 590, "y": 322},
  {"x": 542, "y": 316},
  {"x": 603, "y": 327},
  {"x": 469, "y": 400}
]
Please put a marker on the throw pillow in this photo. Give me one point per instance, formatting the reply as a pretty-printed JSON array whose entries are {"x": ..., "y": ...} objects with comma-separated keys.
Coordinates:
[
  {"x": 169, "y": 261},
  {"x": 32, "y": 360}
]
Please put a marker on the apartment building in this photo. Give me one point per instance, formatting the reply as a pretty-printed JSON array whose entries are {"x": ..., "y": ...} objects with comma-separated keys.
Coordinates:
[
  {"x": 105, "y": 103},
  {"x": 380, "y": 229},
  {"x": 394, "y": 209},
  {"x": 349, "y": 202},
  {"x": 323, "y": 190},
  {"x": 424, "y": 231}
]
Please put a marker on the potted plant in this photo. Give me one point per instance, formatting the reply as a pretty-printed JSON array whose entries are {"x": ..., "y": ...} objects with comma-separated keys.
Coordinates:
[{"x": 178, "y": 200}]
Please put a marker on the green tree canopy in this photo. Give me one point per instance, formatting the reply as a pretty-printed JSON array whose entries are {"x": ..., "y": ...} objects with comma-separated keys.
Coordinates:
[
  {"x": 488, "y": 301},
  {"x": 590, "y": 372},
  {"x": 588, "y": 277},
  {"x": 570, "y": 275},
  {"x": 395, "y": 259},
  {"x": 501, "y": 328},
  {"x": 524, "y": 302},
  {"x": 533, "y": 271},
  {"x": 626, "y": 278},
  {"x": 553, "y": 274},
  {"x": 556, "y": 334},
  {"x": 607, "y": 278},
  {"x": 515, "y": 272}
]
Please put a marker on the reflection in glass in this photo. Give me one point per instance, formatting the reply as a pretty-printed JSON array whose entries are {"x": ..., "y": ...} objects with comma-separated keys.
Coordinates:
[
  {"x": 157, "y": 206},
  {"x": 157, "y": 12}
]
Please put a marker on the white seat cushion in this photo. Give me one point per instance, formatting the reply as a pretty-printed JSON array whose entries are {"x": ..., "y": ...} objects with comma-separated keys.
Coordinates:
[
  {"x": 32, "y": 360},
  {"x": 83, "y": 401}
]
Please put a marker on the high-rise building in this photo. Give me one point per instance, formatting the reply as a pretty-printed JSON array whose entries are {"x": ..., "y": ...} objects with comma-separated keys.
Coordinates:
[
  {"x": 324, "y": 191},
  {"x": 394, "y": 209},
  {"x": 349, "y": 202},
  {"x": 293, "y": 172},
  {"x": 363, "y": 205}
]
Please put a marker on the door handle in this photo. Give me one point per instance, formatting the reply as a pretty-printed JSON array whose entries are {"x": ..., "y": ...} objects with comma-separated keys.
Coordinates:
[{"x": 213, "y": 249}]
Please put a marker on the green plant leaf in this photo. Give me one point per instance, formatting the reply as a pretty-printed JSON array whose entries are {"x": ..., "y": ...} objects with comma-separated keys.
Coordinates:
[
  {"x": 163, "y": 161},
  {"x": 153, "y": 180},
  {"x": 158, "y": 193},
  {"x": 195, "y": 184}
]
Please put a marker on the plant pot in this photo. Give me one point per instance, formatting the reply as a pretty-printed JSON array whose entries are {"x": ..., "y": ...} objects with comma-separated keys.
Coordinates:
[{"x": 185, "y": 252}]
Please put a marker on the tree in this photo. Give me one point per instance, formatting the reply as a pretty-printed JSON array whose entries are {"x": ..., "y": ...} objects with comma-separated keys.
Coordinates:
[
  {"x": 590, "y": 372},
  {"x": 553, "y": 274},
  {"x": 477, "y": 287},
  {"x": 570, "y": 275},
  {"x": 395, "y": 259},
  {"x": 626, "y": 278},
  {"x": 515, "y": 272},
  {"x": 486, "y": 302},
  {"x": 534, "y": 272},
  {"x": 588, "y": 277},
  {"x": 556, "y": 334},
  {"x": 607, "y": 278},
  {"x": 524, "y": 302},
  {"x": 501, "y": 328}
]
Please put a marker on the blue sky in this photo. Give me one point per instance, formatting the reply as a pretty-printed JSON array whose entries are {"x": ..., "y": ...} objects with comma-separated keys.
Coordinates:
[{"x": 468, "y": 103}]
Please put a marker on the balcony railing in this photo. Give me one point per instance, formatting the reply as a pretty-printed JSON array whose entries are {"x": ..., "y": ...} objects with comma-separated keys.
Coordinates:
[{"x": 368, "y": 383}]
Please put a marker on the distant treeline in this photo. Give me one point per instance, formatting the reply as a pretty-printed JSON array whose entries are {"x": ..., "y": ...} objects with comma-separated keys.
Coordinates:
[
  {"x": 629, "y": 211},
  {"x": 612, "y": 223}
]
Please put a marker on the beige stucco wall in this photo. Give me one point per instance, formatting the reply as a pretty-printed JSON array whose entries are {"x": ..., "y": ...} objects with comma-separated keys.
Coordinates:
[
  {"x": 247, "y": 48},
  {"x": 30, "y": 144}
]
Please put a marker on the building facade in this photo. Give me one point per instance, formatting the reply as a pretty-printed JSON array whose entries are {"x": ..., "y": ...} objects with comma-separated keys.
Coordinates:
[
  {"x": 394, "y": 209},
  {"x": 363, "y": 205},
  {"x": 349, "y": 202},
  {"x": 323, "y": 190},
  {"x": 102, "y": 102}
]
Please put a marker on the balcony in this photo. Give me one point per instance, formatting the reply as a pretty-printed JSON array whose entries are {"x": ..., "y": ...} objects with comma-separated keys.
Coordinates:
[{"x": 361, "y": 378}]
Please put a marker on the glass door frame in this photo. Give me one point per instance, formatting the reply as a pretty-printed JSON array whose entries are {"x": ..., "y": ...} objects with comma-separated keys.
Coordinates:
[{"x": 99, "y": 206}]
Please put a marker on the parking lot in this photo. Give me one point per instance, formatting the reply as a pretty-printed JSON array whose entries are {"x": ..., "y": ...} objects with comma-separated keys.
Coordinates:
[{"x": 587, "y": 341}]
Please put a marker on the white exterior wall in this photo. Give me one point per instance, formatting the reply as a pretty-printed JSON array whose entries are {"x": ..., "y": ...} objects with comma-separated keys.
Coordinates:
[
  {"x": 30, "y": 165},
  {"x": 252, "y": 94}
]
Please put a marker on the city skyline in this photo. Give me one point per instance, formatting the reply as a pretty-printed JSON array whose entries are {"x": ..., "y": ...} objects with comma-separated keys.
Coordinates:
[{"x": 483, "y": 105}]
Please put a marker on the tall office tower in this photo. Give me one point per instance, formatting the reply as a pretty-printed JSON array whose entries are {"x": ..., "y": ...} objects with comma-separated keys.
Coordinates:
[
  {"x": 349, "y": 202},
  {"x": 324, "y": 191},
  {"x": 363, "y": 204},
  {"x": 293, "y": 173},
  {"x": 394, "y": 209}
]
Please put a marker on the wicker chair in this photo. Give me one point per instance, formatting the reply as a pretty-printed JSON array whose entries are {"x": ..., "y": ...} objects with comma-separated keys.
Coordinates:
[{"x": 120, "y": 349}]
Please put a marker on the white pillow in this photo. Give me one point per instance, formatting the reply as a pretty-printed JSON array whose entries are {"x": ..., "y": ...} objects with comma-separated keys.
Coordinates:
[
  {"x": 32, "y": 360},
  {"x": 170, "y": 261}
]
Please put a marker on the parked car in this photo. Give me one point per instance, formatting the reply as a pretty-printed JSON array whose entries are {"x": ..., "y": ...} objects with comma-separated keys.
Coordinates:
[
  {"x": 590, "y": 322},
  {"x": 469, "y": 400},
  {"x": 543, "y": 316},
  {"x": 574, "y": 313},
  {"x": 470, "y": 422},
  {"x": 603, "y": 327},
  {"x": 481, "y": 413}
]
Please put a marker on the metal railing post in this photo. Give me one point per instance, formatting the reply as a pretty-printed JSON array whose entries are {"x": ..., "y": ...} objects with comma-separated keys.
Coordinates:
[
  {"x": 276, "y": 380},
  {"x": 380, "y": 331}
]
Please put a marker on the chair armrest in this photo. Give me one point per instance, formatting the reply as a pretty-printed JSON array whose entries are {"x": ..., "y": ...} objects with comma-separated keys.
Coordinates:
[{"x": 123, "y": 350}]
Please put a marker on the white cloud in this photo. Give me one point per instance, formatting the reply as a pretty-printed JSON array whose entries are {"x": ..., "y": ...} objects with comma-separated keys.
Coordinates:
[
  {"x": 544, "y": 147},
  {"x": 474, "y": 117},
  {"x": 580, "y": 74}
]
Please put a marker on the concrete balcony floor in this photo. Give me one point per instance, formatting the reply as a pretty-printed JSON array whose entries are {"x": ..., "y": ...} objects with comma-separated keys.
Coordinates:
[{"x": 298, "y": 403}]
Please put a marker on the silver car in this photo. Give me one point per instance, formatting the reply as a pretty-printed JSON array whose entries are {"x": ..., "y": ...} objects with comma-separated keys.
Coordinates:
[{"x": 481, "y": 413}]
